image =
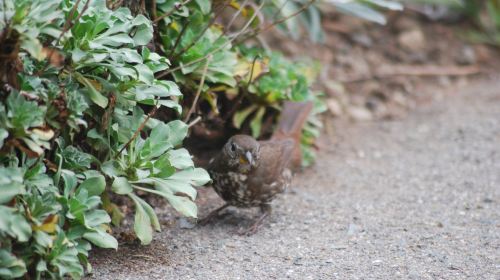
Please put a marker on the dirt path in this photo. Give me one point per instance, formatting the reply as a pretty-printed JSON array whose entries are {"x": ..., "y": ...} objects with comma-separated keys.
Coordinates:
[{"x": 412, "y": 199}]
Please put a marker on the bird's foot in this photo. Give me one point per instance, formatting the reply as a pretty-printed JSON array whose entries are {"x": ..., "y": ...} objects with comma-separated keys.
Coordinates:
[
  {"x": 266, "y": 210},
  {"x": 251, "y": 230},
  {"x": 212, "y": 215}
]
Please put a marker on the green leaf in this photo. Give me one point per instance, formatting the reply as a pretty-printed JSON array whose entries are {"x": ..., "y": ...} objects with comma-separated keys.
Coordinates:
[
  {"x": 96, "y": 217},
  {"x": 23, "y": 113},
  {"x": 144, "y": 31},
  {"x": 70, "y": 182},
  {"x": 152, "y": 215},
  {"x": 101, "y": 239},
  {"x": 183, "y": 204},
  {"x": 11, "y": 183},
  {"x": 391, "y": 5},
  {"x": 94, "y": 185},
  {"x": 204, "y": 5},
  {"x": 66, "y": 259},
  {"x": 142, "y": 221},
  {"x": 242, "y": 115},
  {"x": 76, "y": 159},
  {"x": 113, "y": 168},
  {"x": 145, "y": 74},
  {"x": 93, "y": 94},
  {"x": 10, "y": 266},
  {"x": 111, "y": 41},
  {"x": 3, "y": 135},
  {"x": 33, "y": 47},
  {"x": 163, "y": 137},
  {"x": 195, "y": 176},
  {"x": 180, "y": 158},
  {"x": 121, "y": 185},
  {"x": 14, "y": 224},
  {"x": 256, "y": 122},
  {"x": 360, "y": 10}
]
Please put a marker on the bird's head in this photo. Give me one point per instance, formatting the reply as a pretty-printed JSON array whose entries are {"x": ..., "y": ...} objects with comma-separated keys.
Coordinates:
[{"x": 242, "y": 153}]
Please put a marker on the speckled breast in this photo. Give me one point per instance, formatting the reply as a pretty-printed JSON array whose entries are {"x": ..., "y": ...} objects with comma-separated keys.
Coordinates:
[{"x": 234, "y": 188}]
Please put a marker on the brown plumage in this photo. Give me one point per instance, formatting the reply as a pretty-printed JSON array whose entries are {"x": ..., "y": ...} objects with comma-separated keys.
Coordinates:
[{"x": 250, "y": 173}]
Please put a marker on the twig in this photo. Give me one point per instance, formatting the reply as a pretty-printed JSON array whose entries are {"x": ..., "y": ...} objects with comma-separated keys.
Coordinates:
[
  {"x": 251, "y": 70},
  {"x": 67, "y": 26},
  {"x": 228, "y": 26},
  {"x": 198, "y": 92},
  {"x": 143, "y": 256},
  {"x": 254, "y": 32},
  {"x": 186, "y": 48},
  {"x": 215, "y": 50},
  {"x": 139, "y": 129},
  {"x": 153, "y": 10},
  {"x": 178, "y": 40},
  {"x": 242, "y": 95},
  {"x": 417, "y": 70},
  {"x": 280, "y": 9},
  {"x": 7, "y": 22},
  {"x": 195, "y": 121},
  {"x": 177, "y": 6}
]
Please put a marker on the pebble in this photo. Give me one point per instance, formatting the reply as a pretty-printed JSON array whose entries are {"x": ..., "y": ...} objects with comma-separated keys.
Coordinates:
[
  {"x": 466, "y": 56},
  {"x": 412, "y": 40},
  {"x": 360, "y": 113},
  {"x": 334, "y": 107}
]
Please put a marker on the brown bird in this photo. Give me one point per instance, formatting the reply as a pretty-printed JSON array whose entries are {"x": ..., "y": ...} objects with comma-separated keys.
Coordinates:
[{"x": 250, "y": 173}]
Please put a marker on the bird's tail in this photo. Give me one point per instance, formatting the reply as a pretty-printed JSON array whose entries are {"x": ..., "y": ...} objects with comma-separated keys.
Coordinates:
[{"x": 292, "y": 120}]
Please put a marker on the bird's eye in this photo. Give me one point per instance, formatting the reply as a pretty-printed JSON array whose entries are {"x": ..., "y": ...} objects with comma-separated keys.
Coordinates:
[{"x": 233, "y": 147}]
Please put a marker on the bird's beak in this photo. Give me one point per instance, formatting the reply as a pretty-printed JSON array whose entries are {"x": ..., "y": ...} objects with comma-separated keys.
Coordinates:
[{"x": 249, "y": 158}]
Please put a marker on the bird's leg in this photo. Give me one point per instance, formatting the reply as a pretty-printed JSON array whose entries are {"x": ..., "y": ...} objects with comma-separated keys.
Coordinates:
[
  {"x": 265, "y": 211},
  {"x": 212, "y": 215}
]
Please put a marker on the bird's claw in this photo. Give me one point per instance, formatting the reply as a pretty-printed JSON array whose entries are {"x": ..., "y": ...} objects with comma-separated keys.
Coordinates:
[{"x": 250, "y": 230}]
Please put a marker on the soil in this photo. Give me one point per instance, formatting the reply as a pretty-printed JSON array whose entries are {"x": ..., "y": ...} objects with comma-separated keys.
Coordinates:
[{"x": 418, "y": 199}]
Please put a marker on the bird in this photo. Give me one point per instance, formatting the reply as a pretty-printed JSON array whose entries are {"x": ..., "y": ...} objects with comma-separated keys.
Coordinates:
[{"x": 250, "y": 173}]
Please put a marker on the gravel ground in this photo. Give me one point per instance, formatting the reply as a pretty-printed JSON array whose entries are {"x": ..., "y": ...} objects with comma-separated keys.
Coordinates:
[{"x": 417, "y": 198}]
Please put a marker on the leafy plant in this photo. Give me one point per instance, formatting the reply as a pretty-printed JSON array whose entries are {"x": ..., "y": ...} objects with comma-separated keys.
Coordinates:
[
  {"x": 305, "y": 15},
  {"x": 484, "y": 14},
  {"x": 276, "y": 80},
  {"x": 71, "y": 129},
  {"x": 366, "y": 9}
]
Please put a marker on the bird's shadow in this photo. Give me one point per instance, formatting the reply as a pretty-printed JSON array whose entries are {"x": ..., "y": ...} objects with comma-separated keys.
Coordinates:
[{"x": 232, "y": 218}]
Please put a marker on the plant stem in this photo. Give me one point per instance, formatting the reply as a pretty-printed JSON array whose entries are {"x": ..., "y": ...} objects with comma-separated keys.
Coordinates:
[
  {"x": 254, "y": 32},
  {"x": 169, "y": 13},
  {"x": 67, "y": 26},
  {"x": 178, "y": 40},
  {"x": 139, "y": 129},
  {"x": 198, "y": 92},
  {"x": 185, "y": 49},
  {"x": 215, "y": 50}
]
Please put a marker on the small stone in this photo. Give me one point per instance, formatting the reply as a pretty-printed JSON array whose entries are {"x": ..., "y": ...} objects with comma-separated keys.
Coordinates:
[
  {"x": 334, "y": 107},
  {"x": 297, "y": 261},
  {"x": 405, "y": 23},
  {"x": 466, "y": 56},
  {"x": 487, "y": 200},
  {"x": 362, "y": 39},
  {"x": 412, "y": 40},
  {"x": 353, "y": 229},
  {"x": 361, "y": 154},
  {"x": 185, "y": 224},
  {"x": 360, "y": 114}
]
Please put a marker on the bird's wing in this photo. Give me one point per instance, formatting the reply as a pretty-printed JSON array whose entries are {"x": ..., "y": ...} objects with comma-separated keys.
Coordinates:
[{"x": 275, "y": 156}]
